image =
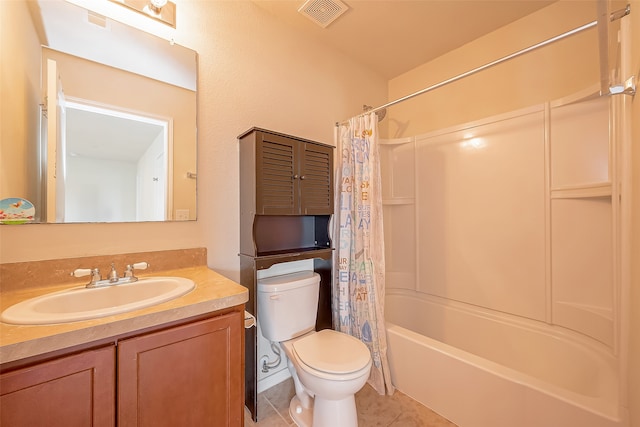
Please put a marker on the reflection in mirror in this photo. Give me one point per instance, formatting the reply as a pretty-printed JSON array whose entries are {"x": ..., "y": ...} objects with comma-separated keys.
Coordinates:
[
  {"x": 120, "y": 156},
  {"x": 116, "y": 140}
]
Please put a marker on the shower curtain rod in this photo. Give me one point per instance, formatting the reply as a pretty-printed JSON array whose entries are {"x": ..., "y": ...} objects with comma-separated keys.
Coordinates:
[{"x": 478, "y": 69}]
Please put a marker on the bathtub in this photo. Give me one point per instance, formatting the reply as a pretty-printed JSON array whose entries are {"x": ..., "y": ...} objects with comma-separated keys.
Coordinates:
[{"x": 485, "y": 369}]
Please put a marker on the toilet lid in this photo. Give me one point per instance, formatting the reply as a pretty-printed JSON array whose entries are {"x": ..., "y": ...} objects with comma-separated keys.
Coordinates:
[{"x": 332, "y": 352}]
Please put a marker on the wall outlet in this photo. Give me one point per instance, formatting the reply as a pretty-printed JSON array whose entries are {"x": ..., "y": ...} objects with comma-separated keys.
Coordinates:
[{"x": 182, "y": 214}]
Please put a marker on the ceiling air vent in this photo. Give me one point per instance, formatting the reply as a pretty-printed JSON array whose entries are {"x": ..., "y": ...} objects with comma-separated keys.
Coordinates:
[{"x": 323, "y": 12}]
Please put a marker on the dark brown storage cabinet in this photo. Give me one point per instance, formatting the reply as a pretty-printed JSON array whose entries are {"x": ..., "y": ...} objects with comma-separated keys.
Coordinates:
[{"x": 286, "y": 204}]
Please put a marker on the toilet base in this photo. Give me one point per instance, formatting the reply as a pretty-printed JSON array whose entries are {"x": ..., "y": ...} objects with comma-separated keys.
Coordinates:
[
  {"x": 301, "y": 416},
  {"x": 325, "y": 413},
  {"x": 332, "y": 413}
]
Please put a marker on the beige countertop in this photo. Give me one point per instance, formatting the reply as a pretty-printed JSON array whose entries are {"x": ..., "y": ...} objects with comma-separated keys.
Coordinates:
[{"x": 213, "y": 292}]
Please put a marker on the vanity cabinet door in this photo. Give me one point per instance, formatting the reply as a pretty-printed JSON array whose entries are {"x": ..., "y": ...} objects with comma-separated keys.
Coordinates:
[
  {"x": 189, "y": 375},
  {"x": 71, "y": 391}
]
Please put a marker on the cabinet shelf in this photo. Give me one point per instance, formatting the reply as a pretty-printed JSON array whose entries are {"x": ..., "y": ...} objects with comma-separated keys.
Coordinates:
[
  {"x": 265, "y": 260},
  {"x": 398, "y": 201},
  {"x": 316, "y": 250},
  {"x": 603, "y": 189}
]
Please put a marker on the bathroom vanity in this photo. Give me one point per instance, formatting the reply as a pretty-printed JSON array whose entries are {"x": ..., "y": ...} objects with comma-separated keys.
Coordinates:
[{"x": 175, "y": 363}]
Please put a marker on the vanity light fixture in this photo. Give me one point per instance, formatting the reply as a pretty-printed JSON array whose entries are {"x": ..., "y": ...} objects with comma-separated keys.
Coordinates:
[
  {"x": 160, "y": 10},
  {"x": 155, "y": 6}
]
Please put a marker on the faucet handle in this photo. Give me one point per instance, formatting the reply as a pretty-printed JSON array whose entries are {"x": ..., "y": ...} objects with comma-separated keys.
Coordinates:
[
  {"x": 94, "y": 272},
  {"x": 129, "y": 271},
  {"x": 81, "y": 272},
  {"x": 140, "y": 265}
]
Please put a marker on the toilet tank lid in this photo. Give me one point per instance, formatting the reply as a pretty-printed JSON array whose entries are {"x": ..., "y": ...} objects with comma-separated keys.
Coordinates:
[{"x": 288, "y": 281}]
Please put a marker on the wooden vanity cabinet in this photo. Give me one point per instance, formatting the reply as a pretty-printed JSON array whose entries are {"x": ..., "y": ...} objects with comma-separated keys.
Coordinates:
[
  {"x": 188, "y": 374},
  {"x": 77, "y": 390}
]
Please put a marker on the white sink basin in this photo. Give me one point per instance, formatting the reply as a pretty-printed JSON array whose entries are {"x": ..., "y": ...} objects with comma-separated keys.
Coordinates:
[{"x": 82, "y": 303}]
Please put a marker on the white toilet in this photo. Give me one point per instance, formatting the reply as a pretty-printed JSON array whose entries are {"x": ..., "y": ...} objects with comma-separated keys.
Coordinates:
[{"x": 328, "y": 367}]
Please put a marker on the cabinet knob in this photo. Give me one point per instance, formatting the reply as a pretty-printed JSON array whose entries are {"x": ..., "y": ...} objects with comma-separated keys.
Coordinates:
[
  {"x": 302, "y": 177},
  {"x": 295, "y": 176}
]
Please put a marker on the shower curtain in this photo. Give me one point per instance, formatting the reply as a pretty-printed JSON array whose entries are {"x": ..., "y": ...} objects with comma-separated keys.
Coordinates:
[{"x": 358, "y": 302}]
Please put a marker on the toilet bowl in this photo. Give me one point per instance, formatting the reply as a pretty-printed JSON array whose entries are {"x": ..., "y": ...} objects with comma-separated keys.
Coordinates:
[{"x": 327, "y": 367}]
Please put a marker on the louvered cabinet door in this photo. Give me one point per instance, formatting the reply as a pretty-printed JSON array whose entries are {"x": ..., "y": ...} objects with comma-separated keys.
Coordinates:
[
  {"x": 277, "y": 183},
  {"x": 316, "y": 189},
  {"x": 293, "y": 177}
]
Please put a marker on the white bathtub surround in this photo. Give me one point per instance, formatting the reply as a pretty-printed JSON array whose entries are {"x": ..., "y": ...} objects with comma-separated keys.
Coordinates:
[
  {"x": 474, "y": 391},
  {"x": 359, "y": 282},
  {"x": 482, "y": 369},
  {"x": 506, "y": 266}
]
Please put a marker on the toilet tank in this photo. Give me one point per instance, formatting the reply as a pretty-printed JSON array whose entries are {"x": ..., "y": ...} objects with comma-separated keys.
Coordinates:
[{"x": 288, "y": 305}]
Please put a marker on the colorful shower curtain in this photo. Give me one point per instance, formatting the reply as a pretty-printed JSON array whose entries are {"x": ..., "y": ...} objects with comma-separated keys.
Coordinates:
[{"x": 358, "y": 302}]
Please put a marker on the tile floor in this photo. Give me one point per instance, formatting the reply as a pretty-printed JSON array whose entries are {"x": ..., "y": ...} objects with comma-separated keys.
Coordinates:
[{"x": 374, "y": 410}]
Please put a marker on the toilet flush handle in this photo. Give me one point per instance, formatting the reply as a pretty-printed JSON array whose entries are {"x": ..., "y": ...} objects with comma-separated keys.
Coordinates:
[{"x": 274, "y": 297}]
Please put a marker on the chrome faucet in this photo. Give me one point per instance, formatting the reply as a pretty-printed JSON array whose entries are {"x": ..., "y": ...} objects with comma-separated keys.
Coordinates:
[
  {"x": 113, "y": 279},
  {"x": 113, "y": 274},
  {"x": 96, "y": 277},
  {"x": 129, "y": 270}
]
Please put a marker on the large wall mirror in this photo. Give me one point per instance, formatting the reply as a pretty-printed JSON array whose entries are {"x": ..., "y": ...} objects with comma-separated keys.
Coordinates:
[{"x": 101, "y": 118}]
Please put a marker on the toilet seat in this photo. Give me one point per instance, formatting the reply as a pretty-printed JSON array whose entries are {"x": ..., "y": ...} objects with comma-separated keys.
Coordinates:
[{"x": 331, "y": 354}]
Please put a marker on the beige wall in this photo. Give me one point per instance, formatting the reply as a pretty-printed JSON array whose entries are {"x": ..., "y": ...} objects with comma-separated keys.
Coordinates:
[
  {"x": 253, "y": 71},
  {"x": 634, "y": 330},
  {"x": 569, "y": 66},
  {"x": 19, "y": 101}
]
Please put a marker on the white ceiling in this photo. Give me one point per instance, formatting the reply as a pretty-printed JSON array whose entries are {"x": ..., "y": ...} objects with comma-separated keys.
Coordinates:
[
  {"x": 394, "y": 36},
  {"x": 95, "y": 135},
  {"x": 388, "y": 36},
  {"x": 72, "y": 29}
]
